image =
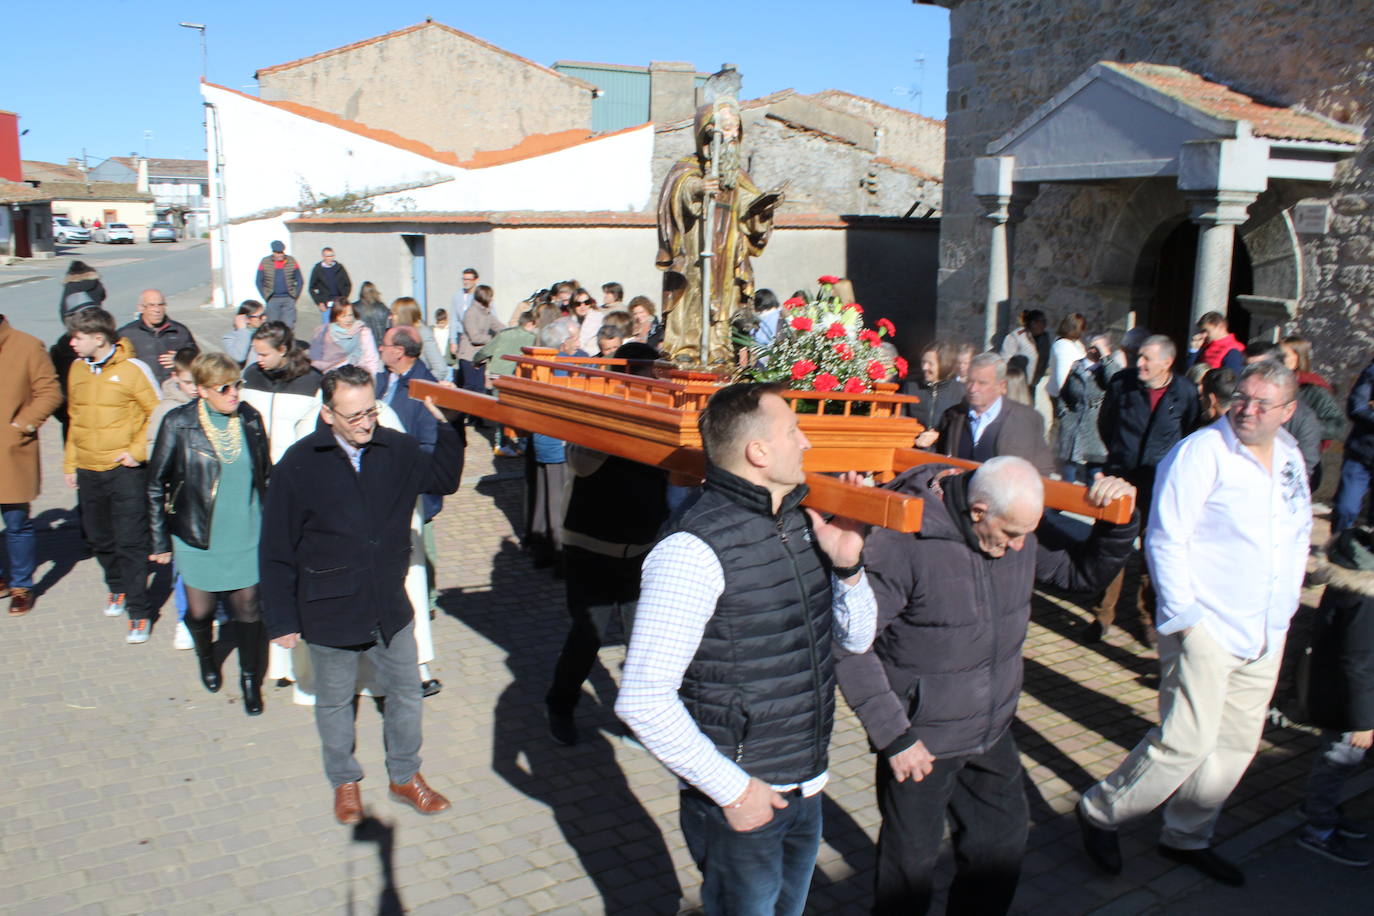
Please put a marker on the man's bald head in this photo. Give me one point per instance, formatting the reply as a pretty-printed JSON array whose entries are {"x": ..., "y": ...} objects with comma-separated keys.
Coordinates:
[
  {"x": 1006, "y": 497},
  {"x": 152, "y": 307}
]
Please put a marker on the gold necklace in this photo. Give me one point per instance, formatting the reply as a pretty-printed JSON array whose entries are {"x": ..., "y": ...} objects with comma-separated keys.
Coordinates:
[{"x": 227, "y": 443}]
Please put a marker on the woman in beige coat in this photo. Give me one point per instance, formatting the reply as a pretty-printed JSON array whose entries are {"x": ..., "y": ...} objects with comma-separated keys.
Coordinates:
[{"x": 29, "y": 393}]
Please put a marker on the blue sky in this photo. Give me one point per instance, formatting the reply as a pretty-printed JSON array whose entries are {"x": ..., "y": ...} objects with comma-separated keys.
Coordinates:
[{"x": 100, "y": 74}]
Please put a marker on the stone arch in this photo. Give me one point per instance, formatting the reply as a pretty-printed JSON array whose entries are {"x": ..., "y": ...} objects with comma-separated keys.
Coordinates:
[{"x": 1127, "y": 259}]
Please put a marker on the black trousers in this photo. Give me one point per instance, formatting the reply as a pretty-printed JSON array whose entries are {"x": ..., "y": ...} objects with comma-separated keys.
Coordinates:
[
  {"x": 114, "y": 518},
  {"x": 600, "y": 589},
  {"x": 983, "y": 797}
]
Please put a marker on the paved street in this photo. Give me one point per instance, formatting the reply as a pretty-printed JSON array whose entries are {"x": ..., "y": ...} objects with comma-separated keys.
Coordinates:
[{"x": 132, "y": 790}]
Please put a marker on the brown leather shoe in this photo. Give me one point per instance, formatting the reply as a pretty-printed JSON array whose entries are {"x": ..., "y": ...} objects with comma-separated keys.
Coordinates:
[
  {"x": 419, "y": 796},
  {"x": 348, "y": 803},
  {"x": 21, "y": 601}
]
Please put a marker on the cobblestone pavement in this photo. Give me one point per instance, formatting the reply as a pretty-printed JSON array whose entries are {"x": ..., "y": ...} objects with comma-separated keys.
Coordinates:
[{"x": 132, "y": 790}]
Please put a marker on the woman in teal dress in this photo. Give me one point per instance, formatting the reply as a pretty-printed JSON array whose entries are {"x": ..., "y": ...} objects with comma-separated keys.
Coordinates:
[{"x": 206, "y": 482}]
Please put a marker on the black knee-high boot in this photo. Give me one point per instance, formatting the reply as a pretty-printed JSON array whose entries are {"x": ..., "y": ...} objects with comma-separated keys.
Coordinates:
[
  {"x": 252, "y": 639},
  {"x": 203, "y": 638}
]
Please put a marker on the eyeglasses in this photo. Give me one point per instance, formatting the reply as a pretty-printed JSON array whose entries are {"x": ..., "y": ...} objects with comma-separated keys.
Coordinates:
[
  {"x": 1242, "y": 401},
  {"x": 227, "y": 387},
  {"x": 353, "y": 419}
]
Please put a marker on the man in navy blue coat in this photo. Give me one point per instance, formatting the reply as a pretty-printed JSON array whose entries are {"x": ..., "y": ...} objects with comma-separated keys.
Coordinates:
[{"x": 334, "y": 554}]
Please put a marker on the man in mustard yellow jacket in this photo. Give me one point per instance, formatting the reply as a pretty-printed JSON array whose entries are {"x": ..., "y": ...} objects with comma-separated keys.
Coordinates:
[{"x": 110, "y": 396}]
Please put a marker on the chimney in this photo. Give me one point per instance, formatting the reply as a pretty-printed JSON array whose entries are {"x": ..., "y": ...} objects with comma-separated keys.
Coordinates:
[
  {"x": 73, "y": 162},
  {"x": 672, "y": 91},
  {"x": 10, "y": 167},
  {"x": 142, "y": 175}
]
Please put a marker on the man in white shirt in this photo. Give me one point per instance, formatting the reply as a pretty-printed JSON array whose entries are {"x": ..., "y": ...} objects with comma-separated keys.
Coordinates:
[
  {"x": 734, "y": 689},
  {"x": 1227, "y": 545}
]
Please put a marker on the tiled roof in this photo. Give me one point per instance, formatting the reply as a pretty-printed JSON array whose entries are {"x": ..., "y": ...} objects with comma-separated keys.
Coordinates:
[
  {"x": 903, "y": 167},
  {"x": 825, "y": 94},
  {"x": 533, "y": 145},
  {"x": 96, "y": 190},
  {"x": 1223, "y": 102},
  {"x": 17, "y": 192},
  {"x": 167, "y": 168},
  {"x": 37, "y": 170},
  {"x": 553, "y": 218},
  {"x": 415, "y": 28}
]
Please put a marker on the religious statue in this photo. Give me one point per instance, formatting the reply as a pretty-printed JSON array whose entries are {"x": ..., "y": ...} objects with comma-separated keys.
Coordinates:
[{"x": 711, "y": 220}]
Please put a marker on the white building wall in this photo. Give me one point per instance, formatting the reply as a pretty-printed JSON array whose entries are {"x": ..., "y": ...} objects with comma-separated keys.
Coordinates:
[{"x": 276, "y": 163}]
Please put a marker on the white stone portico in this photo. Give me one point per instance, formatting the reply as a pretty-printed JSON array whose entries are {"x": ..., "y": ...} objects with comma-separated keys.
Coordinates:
[{"x": 1127, "y": 122}]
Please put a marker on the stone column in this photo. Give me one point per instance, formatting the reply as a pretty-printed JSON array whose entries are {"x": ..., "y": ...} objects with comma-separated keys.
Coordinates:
[
  {"x": 1217, "y": 214},
  {"x": 992, "y": 185}
]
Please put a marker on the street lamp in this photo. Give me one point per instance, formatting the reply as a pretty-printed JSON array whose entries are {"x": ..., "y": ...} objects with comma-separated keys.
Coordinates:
[{"x": 199, "y": 27}]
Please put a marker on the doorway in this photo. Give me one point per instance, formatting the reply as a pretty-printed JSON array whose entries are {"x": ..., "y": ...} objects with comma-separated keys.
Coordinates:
[
  {"x": 416, "y": 244},
  {"x": 19, "y": 229},
  {"x": 1170, "y": 307}
]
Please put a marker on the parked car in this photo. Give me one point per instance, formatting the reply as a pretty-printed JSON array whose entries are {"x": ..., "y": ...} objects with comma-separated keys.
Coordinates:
[
  {"x": 162, "y": 232},
  {"x": 64, "y": 231},
  {"x": 113, "y": 234}
]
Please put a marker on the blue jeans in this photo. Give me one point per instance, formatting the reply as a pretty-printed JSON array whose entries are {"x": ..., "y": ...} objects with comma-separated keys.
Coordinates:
[
  {"x": 20, "y": 545},
  {"x": 763, "y": 872},
  {"x": 1355, "y": 478},
  {"x": 1337, "y": 760}
]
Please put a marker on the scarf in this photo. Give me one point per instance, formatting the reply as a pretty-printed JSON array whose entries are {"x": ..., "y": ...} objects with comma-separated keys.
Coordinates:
[
  {"x": 346, "y": 340},
  {"x": 954, "y": 490}
]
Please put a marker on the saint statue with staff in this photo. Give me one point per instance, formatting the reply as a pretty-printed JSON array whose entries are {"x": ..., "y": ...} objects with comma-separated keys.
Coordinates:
[{"x": 711, "y": 220}]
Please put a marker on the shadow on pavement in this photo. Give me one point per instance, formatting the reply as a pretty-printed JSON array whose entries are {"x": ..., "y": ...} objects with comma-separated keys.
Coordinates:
[
  {"x": 619, "y": 845},
  {"x": 372, "y": 830}
]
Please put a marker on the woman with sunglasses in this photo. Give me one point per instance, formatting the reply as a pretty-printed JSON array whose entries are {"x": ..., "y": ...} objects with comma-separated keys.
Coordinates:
[{"x": 206, "y": 482}]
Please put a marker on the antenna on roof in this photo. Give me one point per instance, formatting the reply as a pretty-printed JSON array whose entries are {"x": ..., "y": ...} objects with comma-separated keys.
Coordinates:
[{"x": 915, "y": 92}]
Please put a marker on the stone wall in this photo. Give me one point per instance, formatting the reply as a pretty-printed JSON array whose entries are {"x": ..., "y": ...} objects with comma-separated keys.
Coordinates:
[
  {"x": 907, "y": 137},
  {"x": 826, "y": 175},
  {"x": 437, "y": 85},
  {"x": 1007, "y": 57}
]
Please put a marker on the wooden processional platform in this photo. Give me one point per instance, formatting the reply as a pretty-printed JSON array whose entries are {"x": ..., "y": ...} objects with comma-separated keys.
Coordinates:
[{"x": 652, "y": 418}]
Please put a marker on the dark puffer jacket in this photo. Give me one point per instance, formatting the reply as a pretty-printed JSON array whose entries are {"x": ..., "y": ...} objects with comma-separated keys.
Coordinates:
[
  {"x": 1341, "y": 684},
  {"x": 762, "y": 683},
  {"x": 946, "y": 666},
  {"x": 184, "y": 472},
  {"x": 1138, "y": 438},
  {"x": 1359, "y": 407},
  {"x": 935, "y": 399}
]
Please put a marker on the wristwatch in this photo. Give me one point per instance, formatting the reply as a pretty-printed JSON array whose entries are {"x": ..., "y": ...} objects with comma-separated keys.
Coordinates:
[{"x": 844, "y": 572}]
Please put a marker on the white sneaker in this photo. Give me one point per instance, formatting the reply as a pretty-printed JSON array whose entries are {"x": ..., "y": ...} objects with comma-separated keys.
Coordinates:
[
  {"x": 182, "y": 639},
  {"x": 114, "y": 606}
]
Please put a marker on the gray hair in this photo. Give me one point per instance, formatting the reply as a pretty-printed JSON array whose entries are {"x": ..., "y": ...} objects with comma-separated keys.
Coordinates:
[
  {"x": 554, "y": 333},
  {"x": 1275, "y": 373},
  {"x": 984, "y": 360},
  {"x": 408, "y": 339},
  {"x": 999, "y": 483},
  {"x": 1165, "y": 344}
]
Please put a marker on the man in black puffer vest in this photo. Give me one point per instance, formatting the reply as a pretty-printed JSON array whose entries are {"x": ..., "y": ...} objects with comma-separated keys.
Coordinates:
[
  {"x": 729, "y": 680},
  {"x": 938, "y": 691}
]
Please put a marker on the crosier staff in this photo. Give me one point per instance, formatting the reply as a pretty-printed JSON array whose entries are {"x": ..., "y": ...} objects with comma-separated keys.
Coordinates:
[{"x": 708, "y": 230}]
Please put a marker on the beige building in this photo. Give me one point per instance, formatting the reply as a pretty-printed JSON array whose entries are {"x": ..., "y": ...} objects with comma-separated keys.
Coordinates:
[
  {"x": 435, "y": 84},
  {"x": 107, "y": 201},
  {"x": 1144, "y": 162}
]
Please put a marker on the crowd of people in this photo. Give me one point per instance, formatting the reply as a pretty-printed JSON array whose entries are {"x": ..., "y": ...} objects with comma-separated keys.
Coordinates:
[{"x": 290, "y": 487}]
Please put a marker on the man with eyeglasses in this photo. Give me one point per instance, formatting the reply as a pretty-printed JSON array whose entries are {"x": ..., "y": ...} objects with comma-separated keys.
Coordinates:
[
  {"x": 1227, "y": 542},
  {"x": 334, "y": 555},
  {"x": 155, "y": 337}
]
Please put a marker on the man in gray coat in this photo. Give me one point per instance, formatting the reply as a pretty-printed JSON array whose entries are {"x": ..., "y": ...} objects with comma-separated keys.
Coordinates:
[
  {"x": 937, "y": 692},
  {"x": 988, "y": 424}
]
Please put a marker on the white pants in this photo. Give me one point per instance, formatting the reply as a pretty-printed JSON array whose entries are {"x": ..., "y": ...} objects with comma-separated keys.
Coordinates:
[{"x": 1212, "y": 709}]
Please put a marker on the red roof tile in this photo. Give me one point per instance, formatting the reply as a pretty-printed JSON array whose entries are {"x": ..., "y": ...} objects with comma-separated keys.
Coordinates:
[
  {"x": 415, "y": 28},
  {"x": 531, "y": 146},
  {"x": 831, "y": 93},
  {"x": 1223, "y": 102}
]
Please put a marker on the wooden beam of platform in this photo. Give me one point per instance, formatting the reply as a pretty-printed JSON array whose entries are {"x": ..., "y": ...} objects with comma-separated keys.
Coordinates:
[
  {"x": 1066, "y": 497},
  {"x": 871, "y": 505}
]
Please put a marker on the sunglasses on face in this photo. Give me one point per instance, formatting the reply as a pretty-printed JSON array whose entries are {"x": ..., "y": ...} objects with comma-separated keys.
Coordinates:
[
  {"x": 354, "y": 419},
  {"x": 227, "y": 387}
]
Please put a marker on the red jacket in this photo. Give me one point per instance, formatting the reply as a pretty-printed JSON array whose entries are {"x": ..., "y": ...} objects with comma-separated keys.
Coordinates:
[{"x": 1215, "y": 352}]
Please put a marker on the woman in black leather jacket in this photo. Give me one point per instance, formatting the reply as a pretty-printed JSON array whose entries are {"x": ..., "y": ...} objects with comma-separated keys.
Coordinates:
[{"x": 206, "y": 482}]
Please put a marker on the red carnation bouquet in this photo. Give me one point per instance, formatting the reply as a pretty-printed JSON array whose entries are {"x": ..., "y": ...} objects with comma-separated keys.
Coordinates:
[{"x": 823, "y": 345}]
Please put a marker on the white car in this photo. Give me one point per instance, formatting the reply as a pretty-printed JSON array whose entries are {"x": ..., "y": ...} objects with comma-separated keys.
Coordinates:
[
  {"x": 113, "y": 234},
  {"x": 64, "y": 231}
]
